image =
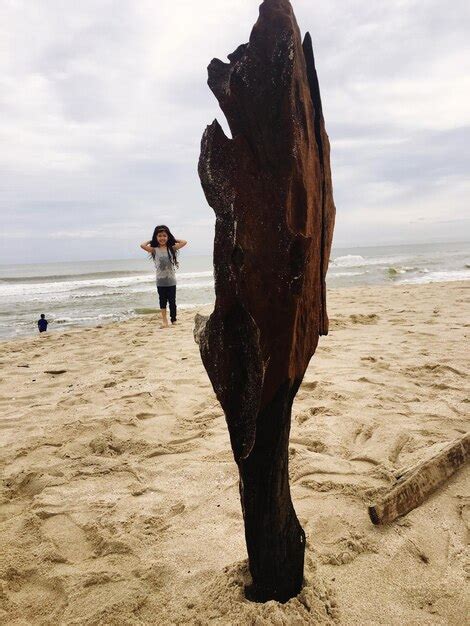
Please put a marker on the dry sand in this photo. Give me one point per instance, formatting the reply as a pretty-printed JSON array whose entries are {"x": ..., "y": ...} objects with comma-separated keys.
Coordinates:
[{"x": 119, "y": 501}]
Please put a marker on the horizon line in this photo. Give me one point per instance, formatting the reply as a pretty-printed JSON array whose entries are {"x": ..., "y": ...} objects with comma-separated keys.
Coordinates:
[{"x": 339, "y": 247}]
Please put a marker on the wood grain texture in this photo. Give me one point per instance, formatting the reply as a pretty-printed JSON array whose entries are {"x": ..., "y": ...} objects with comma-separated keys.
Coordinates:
[{"x": 419, "y": 482}]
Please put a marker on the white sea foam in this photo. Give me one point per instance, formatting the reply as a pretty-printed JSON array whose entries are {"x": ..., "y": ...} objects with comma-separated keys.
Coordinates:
[
  {"x": 194, "y": 274},
  {"x": 348, "y": 260},
  {"x": 70, "y": 285},
  {"x": 434, "y": 277},
  {"x": 338, "y": 274},
  {"x": 194, "y": 306},
  {"x": 356, "y": 260},
  {"x": 59, "y": 291},
  {"x": 200, "y": 285},
  {"x": 86, "y": 318}
]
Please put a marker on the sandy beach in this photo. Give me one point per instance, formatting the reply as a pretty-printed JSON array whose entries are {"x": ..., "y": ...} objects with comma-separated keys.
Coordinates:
[{"x": 119, "y": 501}]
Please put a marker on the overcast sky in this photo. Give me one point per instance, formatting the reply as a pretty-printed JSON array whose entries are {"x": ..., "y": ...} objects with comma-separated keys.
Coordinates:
[{"x": 103, "y": 104}]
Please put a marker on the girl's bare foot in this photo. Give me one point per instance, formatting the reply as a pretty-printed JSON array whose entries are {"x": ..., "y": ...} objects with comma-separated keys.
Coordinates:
[{"x": 164, "y": 326}]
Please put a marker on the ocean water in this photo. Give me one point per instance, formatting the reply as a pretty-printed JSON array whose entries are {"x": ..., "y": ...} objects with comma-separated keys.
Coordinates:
[{"x": 96, "y": 292}]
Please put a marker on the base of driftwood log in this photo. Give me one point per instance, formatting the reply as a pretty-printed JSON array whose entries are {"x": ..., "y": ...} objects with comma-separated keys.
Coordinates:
[
  {"x": 420, "y": 481},
  {"x": 254, "y": 593},
  {"x": 274, "y": 537}
]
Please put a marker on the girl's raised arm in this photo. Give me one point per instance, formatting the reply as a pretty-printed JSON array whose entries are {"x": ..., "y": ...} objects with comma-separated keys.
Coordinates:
[
  {"x": 145, "y": 246},
  {"x": 180, "y": 243}
]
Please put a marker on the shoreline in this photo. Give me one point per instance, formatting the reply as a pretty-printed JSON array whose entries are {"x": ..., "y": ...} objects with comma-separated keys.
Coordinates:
[
  {"x": 120, "y": 504},
  {"x": 207, "y": 308}
]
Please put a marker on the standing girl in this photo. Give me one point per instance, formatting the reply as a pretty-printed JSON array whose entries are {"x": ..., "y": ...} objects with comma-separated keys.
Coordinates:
[{"x": 162, "y": 247}]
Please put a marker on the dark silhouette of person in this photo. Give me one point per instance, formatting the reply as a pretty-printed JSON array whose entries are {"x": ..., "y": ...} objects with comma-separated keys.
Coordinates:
[{"x": 42, "y": 323}]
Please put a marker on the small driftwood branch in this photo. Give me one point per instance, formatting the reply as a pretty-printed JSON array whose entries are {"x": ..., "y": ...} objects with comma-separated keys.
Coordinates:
[{"x": 417, "y": 483}]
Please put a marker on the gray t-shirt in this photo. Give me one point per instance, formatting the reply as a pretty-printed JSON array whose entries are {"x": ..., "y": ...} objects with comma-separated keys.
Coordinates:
[{"x": 164, "y": 268}]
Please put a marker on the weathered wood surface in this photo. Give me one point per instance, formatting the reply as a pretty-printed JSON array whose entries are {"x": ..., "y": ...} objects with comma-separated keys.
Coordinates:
[
  {"x": 416, "y": 484},
  {"x": 270, "y": 188}
]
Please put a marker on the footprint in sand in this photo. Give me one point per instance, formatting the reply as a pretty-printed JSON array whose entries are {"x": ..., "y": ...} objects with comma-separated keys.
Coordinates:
[
  {"x": 114, "y": 360},
  {"x": 115, "y": 602},
  {"x": 76, "y": 400},
  {"x": 139, "y": 394},
  {"x": 312, "y": 444},
  {"x": 145, "y": 416},
  {"x": 29, "y": 484},
  {"x": 193, "y": 436},
  {"x": 314, "y": 411},
  {"x": 338, "y": 542},
  {"x": 363, "y": 433},
  {"x": 177, "y": 509},
  {"x": 204, "y": 417},
  {"x": 377, "y": 445},
  {"x": 364, "y": 379},
  {"x": 107, "y": 445},
  {"x": 163, "y": 449},
  {"x": 35, "y": 598},
  {"x": 67, "y": 537},
  {"x": 309, "y": 385},
  {"x": 437, "y": 375},
  {"x": 345, "y": 321}
]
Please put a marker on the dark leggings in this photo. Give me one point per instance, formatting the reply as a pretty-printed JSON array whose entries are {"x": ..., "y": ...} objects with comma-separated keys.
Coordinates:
[{"x": 168, "y": 294}]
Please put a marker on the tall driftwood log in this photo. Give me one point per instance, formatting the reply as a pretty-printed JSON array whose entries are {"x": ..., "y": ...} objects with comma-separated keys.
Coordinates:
[{"x": 270, "y": 188}]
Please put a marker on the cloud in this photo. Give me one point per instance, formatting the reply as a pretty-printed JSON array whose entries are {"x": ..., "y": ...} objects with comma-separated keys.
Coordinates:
[{"x": 102, "y": 107}]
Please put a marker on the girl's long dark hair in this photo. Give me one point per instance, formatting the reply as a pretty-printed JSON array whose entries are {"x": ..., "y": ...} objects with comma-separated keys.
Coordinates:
[{"x": 172, "y": 254}]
